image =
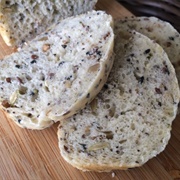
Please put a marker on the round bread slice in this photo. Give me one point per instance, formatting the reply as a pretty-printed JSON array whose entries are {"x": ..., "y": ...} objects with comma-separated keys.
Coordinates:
[
  {"x": 129, "y": 122},
  {"x": 160, "y": 31},
  {"x": 22, "y": 20},
  {"x": 60, "y": 71}
]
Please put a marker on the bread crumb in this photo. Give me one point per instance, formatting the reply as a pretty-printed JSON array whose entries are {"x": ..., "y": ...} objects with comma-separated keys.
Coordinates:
[
  {"x": 113, "y": 174},
  {"x": 18, "y": 49}
]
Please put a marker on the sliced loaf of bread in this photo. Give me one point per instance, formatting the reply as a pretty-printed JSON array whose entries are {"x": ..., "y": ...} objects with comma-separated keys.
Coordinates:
[
  {"x": 160, "y": 31},
  {"x": 129, "y": 122},
  {"x": 22, "y": 20},
  {"x": 60, "y": 71}
]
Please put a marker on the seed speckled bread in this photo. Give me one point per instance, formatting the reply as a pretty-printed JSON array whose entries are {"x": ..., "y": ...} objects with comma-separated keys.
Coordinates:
[
  {"x": 130, "y": 120},
  {"x": 160, "y": 31},
  {"x": 60, "y": 71},
  {"x": 22, "y": 20}
]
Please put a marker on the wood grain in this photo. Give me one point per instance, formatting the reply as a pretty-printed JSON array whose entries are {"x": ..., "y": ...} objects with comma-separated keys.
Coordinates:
[{"x": 28, "y": 154}]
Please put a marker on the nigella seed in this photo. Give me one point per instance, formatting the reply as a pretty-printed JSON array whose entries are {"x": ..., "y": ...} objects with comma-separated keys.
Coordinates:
[
  {"x": 21, "y": 16},
  {"x": 165, "y": 88},
  {"x": 23, "y": 41},
  {"x": 158, "y": 91},
  {"x": 83, "y": 136},
  {"x": 66, "y": 148},
  {"x": 17, "y": 66},
  {"x": 141, "y": 79},
  {"x": 99, "y": 53},
  {"x": 7, "y": 2},
  {"x": 159, "y": 103},
  {"x": 83, "y": 146},
  {"x": 147, "y": 51},
  {"x": 19, "y": 121},
  {"x": 20, "y": 80},
  {"x": 166, "y": 70},
  {"x": 88, "y": 95},
  {"x": 33, "y": 61},
  {"x": 171, "y": 38},
  {"x": 106, "y": 86},
  {"x": 69, "y": 78},
  {"x": 29, "y": 115},
  {"x": 64, "y": 46},
  {"x": 106, "y": 35},
  {"x": 32, "y": 93},
  {"x": 61, "y": 63}
]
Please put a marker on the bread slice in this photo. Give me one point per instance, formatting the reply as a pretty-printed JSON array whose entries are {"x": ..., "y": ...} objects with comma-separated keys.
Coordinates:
[
  {"x": 22, "y": 20},
  {"x": 129, "y": 122},
  {"x": 60, "y": 71},
  {"x": 160, "y": 31}
]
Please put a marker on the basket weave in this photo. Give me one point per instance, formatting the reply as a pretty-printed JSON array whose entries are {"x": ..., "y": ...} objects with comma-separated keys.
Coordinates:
[{"x": 168, "y": 10}]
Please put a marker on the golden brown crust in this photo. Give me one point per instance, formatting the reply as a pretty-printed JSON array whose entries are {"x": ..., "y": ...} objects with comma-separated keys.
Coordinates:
[{"x": 102, "y": 167}]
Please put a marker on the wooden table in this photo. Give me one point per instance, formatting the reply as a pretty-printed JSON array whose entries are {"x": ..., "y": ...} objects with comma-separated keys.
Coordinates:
[{"x": 27, "y": 154}]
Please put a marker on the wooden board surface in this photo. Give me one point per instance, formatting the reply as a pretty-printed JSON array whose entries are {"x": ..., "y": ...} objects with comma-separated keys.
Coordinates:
[{"x": 27, "y": 154}]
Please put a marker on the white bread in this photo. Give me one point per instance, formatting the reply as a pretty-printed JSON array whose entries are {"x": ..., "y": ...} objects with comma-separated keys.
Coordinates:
[
  {"x": 60, "y": 71},
  {"x": 160, "y": 31},
  {"x": 129, "y": 122},
  {"x": 22, "y": 20}
]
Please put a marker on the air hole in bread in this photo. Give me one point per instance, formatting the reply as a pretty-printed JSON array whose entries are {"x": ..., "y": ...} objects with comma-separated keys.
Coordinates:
[
  {"x": 107, "y": 100},
  {"x": 34, "y": 95},
  {"x": 42, "y": 77},
  {"x": 112, "y": 111},
  {"x": 116, "y": 116},
  {"x": 107, "y": 106},
  {"x": 93, "y": 106},
  {"x": 123, "y": 76},
  {"x": 109, "y": 92},
  {"x": 121, "y": 89}
]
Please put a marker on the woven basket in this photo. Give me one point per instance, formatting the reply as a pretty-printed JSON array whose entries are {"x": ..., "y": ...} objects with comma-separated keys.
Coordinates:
[{"x": 168, "y": 10}]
